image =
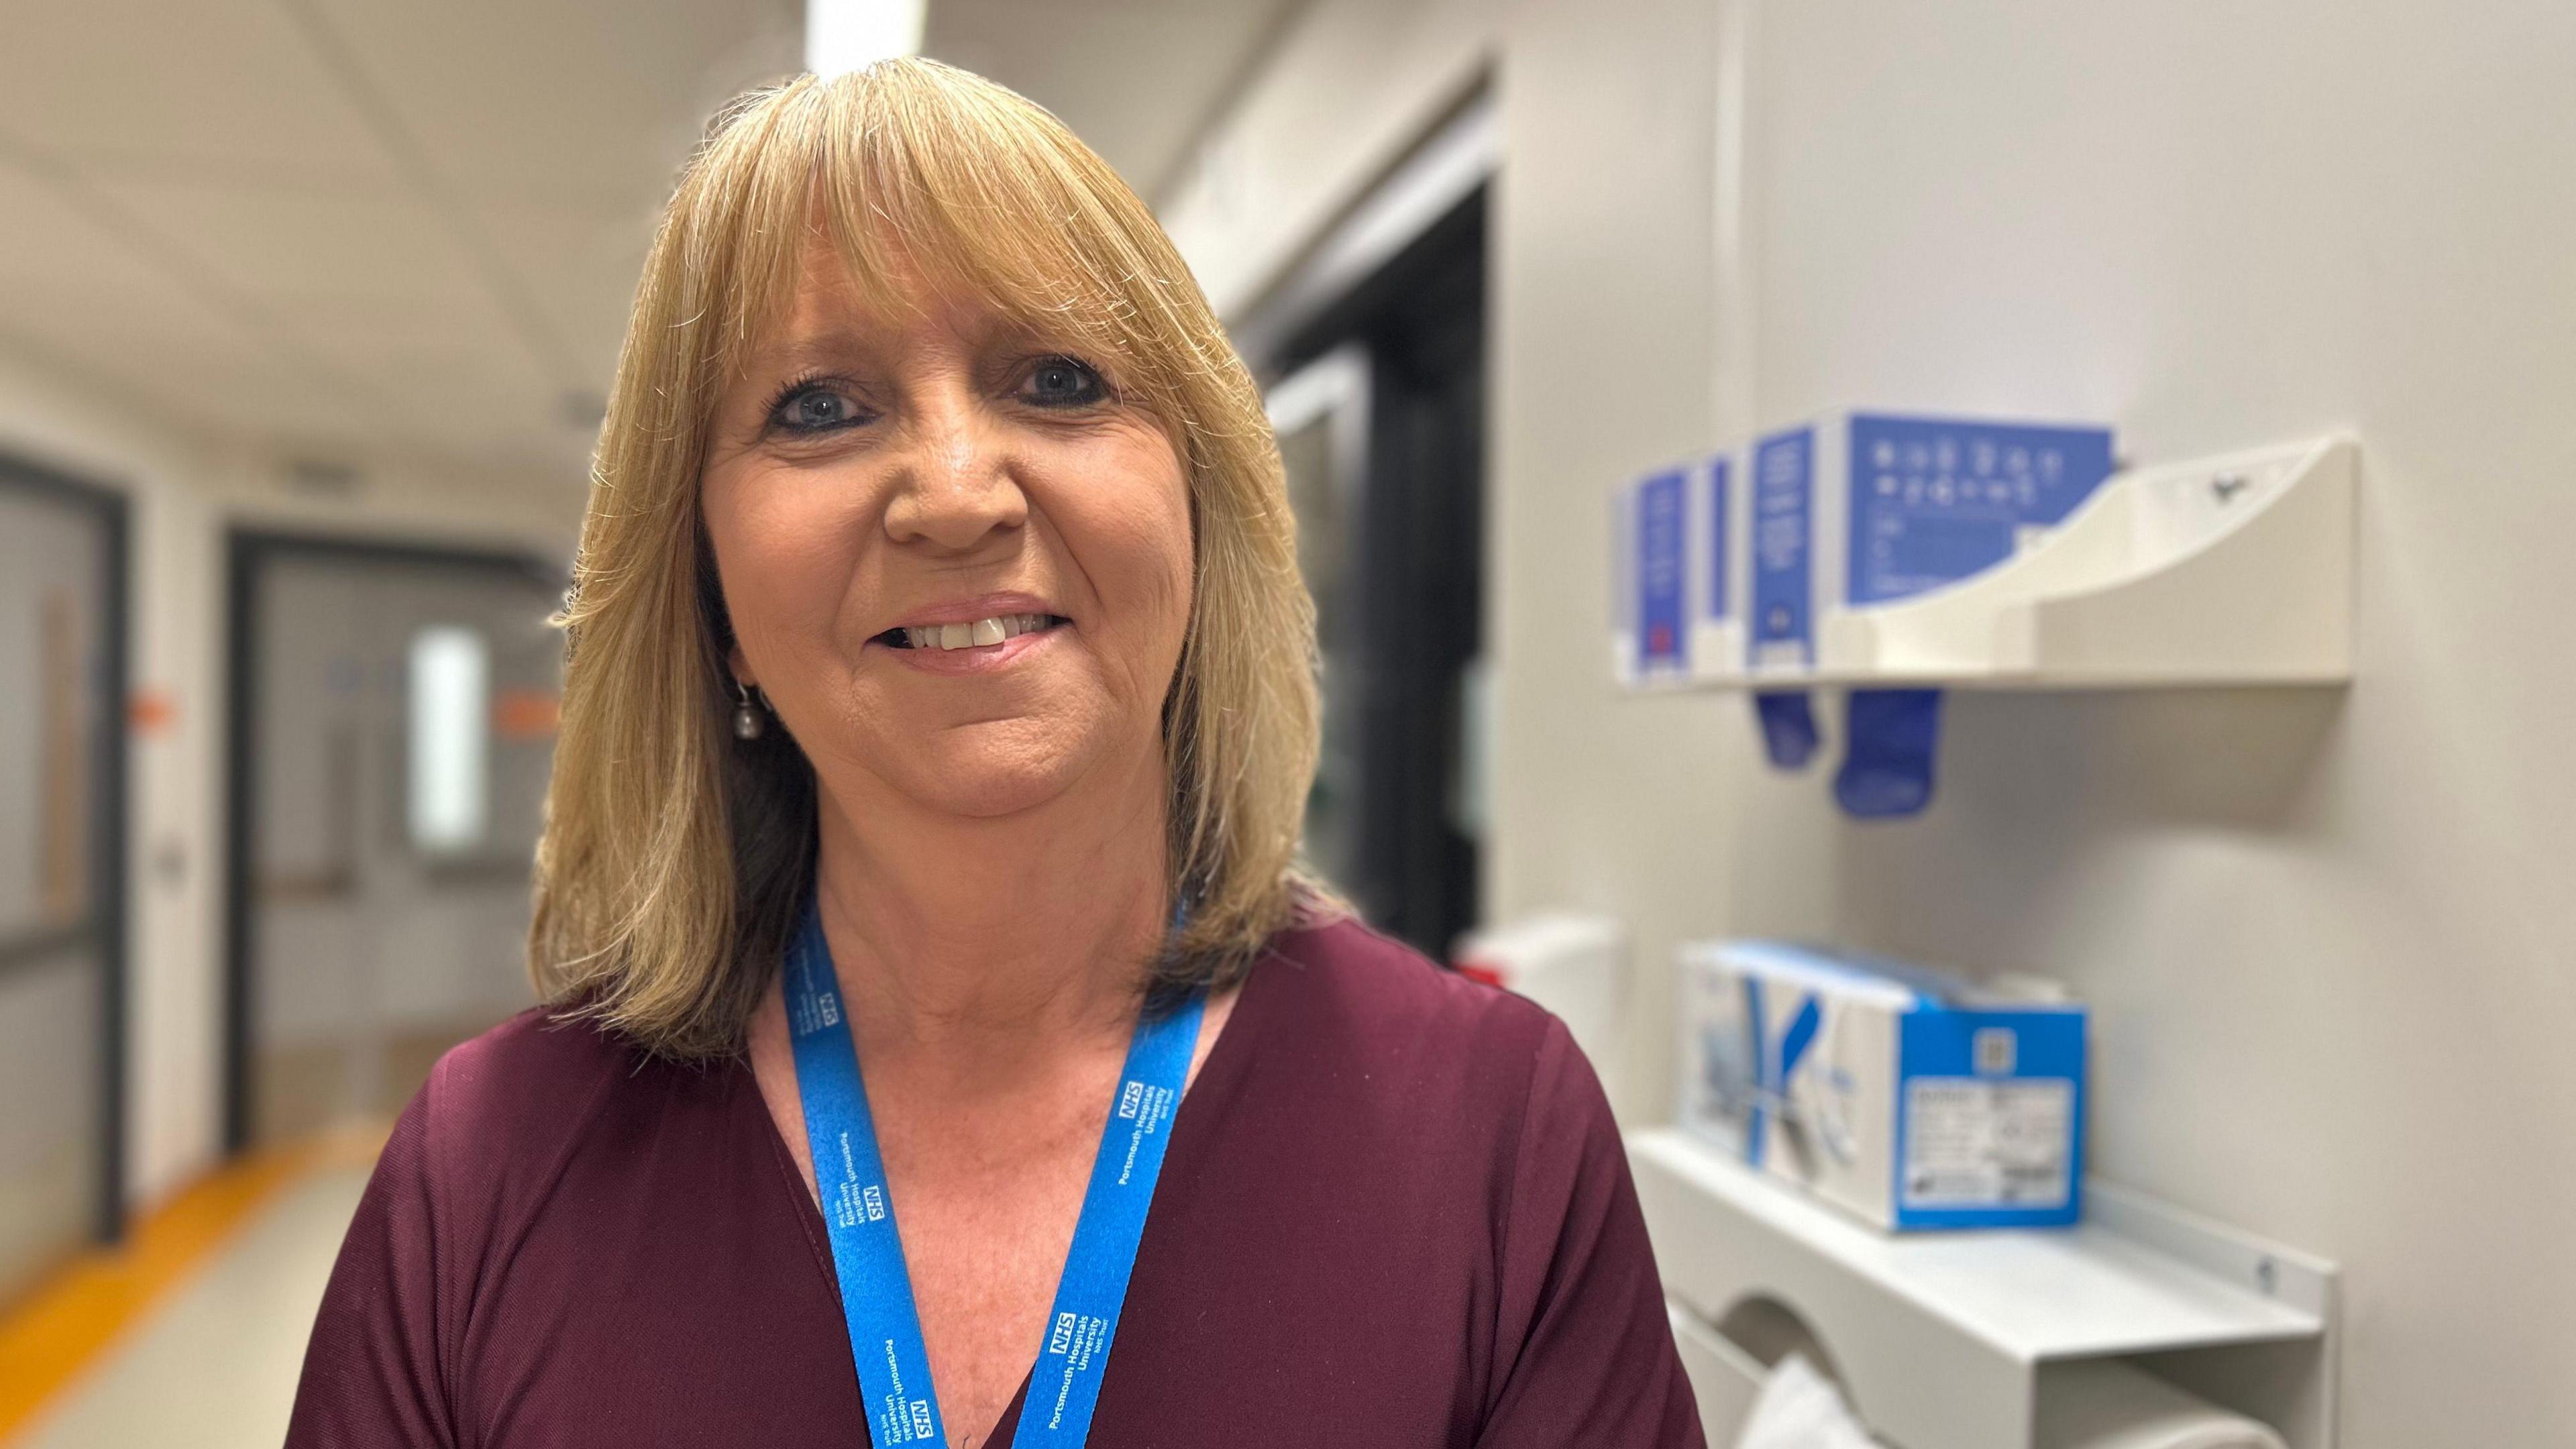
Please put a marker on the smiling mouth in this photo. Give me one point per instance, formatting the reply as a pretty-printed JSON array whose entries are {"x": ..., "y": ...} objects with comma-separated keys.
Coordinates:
[{"x": 980, "y": 634}]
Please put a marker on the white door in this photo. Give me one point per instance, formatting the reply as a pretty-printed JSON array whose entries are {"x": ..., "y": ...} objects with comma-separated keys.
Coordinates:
[{"x": 400, "y": 738}]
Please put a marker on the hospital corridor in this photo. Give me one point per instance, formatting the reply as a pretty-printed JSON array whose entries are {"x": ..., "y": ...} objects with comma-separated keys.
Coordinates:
[{"x": 1756, "y": 724}]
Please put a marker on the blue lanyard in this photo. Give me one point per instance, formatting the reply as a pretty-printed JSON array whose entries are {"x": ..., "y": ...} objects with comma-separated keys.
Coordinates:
[{"x": 867, "y": 1255}]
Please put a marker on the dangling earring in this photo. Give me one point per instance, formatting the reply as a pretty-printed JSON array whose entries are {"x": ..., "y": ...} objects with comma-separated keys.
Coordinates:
[{"x": 748, "y": 722}]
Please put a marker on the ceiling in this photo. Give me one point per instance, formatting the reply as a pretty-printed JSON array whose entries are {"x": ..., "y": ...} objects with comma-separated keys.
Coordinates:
[{"x": 348, "y": 228}]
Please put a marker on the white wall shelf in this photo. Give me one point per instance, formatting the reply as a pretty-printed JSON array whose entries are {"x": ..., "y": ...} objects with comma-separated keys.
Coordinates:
[
  {"x": 2221, "y": 571},
  {"x": 1723, "y": 1377},
  {"x": 1948, "y": 1340}
]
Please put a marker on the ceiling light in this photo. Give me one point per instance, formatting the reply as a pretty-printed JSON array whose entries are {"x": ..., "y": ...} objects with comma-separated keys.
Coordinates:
[{"x": 844, "y": 35}]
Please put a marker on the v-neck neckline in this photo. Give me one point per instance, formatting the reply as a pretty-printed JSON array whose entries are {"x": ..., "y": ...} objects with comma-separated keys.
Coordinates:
[{"x": 1216, "y": 1074}]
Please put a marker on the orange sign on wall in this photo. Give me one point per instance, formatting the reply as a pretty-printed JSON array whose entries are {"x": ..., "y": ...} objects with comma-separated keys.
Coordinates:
[
  {"x": 151, "y": 712},
  {"x": 525, "y": 714}
]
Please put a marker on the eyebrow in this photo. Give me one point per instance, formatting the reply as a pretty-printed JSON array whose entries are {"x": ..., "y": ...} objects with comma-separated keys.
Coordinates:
[
  {"x": 792, "y": 353},
  {"x": 843, "y": 345}
]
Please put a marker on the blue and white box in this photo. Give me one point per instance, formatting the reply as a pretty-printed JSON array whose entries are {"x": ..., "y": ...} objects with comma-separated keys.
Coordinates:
[
  {"x": 1675, "y": 617},
  {"x": 1909, "y": 1097},
  {"x": 1867, "y": 508}
]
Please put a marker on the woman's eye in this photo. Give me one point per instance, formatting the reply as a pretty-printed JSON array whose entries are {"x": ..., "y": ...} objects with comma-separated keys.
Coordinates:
[
  {"x": 814, "y": 410},
  {"x": 1062, "y": 382}
]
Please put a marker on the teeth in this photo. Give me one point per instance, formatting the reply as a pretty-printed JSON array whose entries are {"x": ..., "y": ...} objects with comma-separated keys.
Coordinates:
[{"x": 983, "y": 633}]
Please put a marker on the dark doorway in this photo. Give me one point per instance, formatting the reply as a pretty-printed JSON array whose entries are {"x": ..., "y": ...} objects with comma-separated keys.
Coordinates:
[
  {"x": 392, "y": 729},
  {"x": 1380, "y": 406},
  {"x": 63, "y": 686}
]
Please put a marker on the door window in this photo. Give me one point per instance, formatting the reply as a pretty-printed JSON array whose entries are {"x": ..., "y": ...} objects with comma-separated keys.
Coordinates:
[{"x": 450, "y": 740}]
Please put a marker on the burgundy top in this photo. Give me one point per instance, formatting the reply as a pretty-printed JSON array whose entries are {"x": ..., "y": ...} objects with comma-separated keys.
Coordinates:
[{"x": 1395, "y": 1212}]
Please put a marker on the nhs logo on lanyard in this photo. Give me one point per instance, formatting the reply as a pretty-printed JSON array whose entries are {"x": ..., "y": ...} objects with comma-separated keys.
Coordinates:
[{"x": 1131, "y": 1099}]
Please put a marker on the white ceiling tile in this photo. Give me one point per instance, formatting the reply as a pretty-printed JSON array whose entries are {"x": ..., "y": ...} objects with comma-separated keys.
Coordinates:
[
  {"x": 446, "y": 378},
  {"x": 52, "y": 246},
  {"x": 284, "y": 246},
  {"x": 580, "y": 267},
  {"x": 592, "y": 101},
  {"x": 260, "y": 395},
  {"x": 181, "y": 87},
  {"x": 74, "y": 290},
  {"x": 426, "y": 371}
]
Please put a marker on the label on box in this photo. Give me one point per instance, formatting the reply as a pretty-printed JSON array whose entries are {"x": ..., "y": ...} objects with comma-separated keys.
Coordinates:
[
  {"x": 1976, "y": 1142},
  {"x": 1663, "y": 572},
  {"x": 1935, "y": 500},
  {"x": 1784, "y": 529}
]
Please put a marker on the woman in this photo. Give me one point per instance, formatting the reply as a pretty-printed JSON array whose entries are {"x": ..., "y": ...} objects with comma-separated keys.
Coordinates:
[{"x": 938, "y": 722}]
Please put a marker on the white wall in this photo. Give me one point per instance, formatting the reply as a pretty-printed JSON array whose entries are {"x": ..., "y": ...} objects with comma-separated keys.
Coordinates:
[
  {"x": 185, "y": 488},
  {"x": 2325, "y": 933},
  {"x": 1349, "y": 91},
  {"x": 2327, "y": 937}
]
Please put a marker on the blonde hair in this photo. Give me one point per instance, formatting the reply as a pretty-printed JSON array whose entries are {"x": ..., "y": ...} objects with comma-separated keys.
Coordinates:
[{"x": 675, "y": 857}]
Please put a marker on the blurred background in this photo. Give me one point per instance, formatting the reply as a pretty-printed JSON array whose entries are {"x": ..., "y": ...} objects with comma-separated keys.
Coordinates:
[{"x": 307, "y": 308}]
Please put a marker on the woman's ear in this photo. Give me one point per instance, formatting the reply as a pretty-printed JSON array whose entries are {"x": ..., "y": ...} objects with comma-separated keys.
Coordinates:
[{"x": 741, "y": 667}]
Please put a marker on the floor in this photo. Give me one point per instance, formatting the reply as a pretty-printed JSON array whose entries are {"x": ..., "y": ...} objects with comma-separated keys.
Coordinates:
[{"x": 210, "y": 1360}]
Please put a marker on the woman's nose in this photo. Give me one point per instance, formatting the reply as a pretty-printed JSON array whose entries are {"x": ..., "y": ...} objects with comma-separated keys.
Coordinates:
[{"x": 955, "y": 485}]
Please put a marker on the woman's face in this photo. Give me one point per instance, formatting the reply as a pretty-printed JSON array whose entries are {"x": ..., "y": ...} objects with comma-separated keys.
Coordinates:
[{"x": 957, "y": 559}]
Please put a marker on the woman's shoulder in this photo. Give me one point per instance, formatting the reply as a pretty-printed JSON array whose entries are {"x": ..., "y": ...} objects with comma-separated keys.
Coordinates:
[
  {"x": 1343, "y": 961},
  {"x": 504, "y": 1116},
  {"x": 528, "y": 1075},
  {"x": 1351, "y": 993}
]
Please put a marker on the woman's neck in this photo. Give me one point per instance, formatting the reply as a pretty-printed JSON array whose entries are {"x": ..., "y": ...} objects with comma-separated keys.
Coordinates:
[{"x": 971, "y": 941}]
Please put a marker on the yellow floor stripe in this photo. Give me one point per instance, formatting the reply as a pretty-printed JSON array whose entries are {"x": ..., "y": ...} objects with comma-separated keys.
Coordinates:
[{"x": 63, "y": 1327}]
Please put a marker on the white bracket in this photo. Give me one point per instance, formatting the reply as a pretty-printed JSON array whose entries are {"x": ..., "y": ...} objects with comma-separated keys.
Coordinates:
[
  {"x": 1952, "y": 1340},
  {"x": 2229, "y": 570}
]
